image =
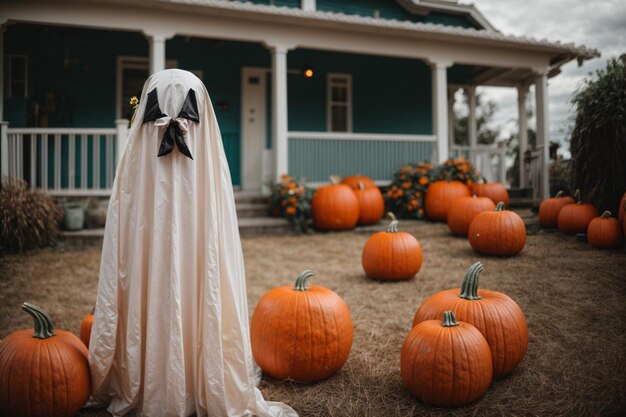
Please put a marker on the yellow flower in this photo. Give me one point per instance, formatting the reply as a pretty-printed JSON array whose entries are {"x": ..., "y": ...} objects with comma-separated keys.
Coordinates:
[{"x": 134, "y": 101}]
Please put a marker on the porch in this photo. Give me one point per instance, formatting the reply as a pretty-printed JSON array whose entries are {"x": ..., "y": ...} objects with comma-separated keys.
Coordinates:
[{"x": 392, "y": 107}]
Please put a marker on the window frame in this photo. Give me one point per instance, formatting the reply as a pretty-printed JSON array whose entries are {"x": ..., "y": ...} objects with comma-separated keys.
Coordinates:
[
  {"x": 329, "y": 102},
  {"x": 8, "y": 66}
]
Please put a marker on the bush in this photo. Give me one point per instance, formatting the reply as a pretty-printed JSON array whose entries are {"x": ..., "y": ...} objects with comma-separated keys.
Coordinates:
[
  {"x": 292, "y": 199},
  {"x": 405, "y": 195},
  {"x": 598, "y": 142},
  {"x": 28, "y": 218},
  {"x": 457, "y": 170},
  {"x": 560, "y": 178}
]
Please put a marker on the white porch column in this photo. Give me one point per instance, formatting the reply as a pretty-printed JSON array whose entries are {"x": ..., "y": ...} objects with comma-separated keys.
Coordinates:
[
  {"x": 122, "y": 138},
  {"x": 4, "y": 149},
  {"x": 2, "y": 29},
  {"x": 279, "y": 110},
  {"x": 440, "y": 108},
  {"x": 522, "y": 95},
  {"x": 156, "y": 43},
  {"x": 472, "y": 126},
  {"x": 4, "y": 140},
  {"x": 543, "y": 131},
  {"x": 451, "y": 92},
  {"x": 308, "y": 5}
]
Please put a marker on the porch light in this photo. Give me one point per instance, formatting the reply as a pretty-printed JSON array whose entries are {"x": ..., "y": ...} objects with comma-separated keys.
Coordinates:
[{"x": 307, "y": 71}]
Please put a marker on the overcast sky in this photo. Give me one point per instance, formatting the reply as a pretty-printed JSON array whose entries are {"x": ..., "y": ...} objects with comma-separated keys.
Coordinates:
[{"x": 599, "y": 24}]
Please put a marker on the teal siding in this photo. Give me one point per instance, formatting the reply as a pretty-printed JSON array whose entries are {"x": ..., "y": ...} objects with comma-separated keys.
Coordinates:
[
  {"x": 390, "y": 95},
  {"x": 389, "y": 9},
  {"x": 221, "y": 63},
  {"x": 316, "y": 159},
  {"x": 72, "y": 76},
  {"x": 71, "y": 73}
]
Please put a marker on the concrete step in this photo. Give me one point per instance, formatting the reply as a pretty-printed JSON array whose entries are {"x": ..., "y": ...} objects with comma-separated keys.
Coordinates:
[
  {"x": 248, "y": 210},
  {"x": 521, "y": 202},
  {"x": 521, "y": 192},
  {"x": 257, "y": 226},
  {"x": 251, "y": 226},
  {"x": 250, "y": 197}
]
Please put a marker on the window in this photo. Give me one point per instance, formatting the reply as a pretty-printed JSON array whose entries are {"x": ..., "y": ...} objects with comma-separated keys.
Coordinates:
[
  {"x": 339, "y": 98},
  {"x": 15, "y": 78},
  {"x": 132, "y": 72}
]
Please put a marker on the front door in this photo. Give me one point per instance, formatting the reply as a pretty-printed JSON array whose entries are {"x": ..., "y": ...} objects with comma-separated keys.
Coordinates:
[{"x": 253, "y": 128}]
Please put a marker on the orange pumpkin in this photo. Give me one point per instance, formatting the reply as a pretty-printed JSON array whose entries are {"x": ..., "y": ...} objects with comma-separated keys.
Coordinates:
[
  {"x": 85, "y": 328},
  {"x": 334, "y": 207},
  {"x": 44, "y": 372},
  {"x": 446, "y": 363},
  {"x": 371, "y": 204},
  {"x": 463, "y": 210},
  {"x": 492, "y": 190},
  {"x": 605, "y": 232},
  {"x": 440, "y": 195},
  {"x": 353, "y": 182},
  {"x": 499, "y": 232},
  {"x": 575, "y": 218},
  {"x": 495, "y": 314},
  {"x": 550, "y": 207},
  {"x": 392, "y": 255},
  {"x": 301, "y": 333}
]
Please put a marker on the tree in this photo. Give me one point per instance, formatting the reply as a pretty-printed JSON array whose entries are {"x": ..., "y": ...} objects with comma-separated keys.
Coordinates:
[
  {"x": 598, "y": 141},
  {"x": 484, "y": 115}
]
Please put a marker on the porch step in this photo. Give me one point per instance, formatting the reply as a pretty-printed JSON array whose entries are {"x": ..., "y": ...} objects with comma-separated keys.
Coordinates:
[
  {"x": 251, "y": 210},
  {"x": 521, "y": 202},
  {"x": 250, "y": 197},
  {"x": 526, "y": 192},
  {"x": 252, "y": 215},
  {"x": 256, "y": 226}
]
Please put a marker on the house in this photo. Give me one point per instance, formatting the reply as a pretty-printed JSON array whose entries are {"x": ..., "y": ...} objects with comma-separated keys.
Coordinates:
[{"x": 305, "y": 87}]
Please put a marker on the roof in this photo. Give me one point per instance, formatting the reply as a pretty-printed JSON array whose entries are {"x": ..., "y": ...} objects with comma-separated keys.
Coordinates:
[{"x": 562, "y": 51}]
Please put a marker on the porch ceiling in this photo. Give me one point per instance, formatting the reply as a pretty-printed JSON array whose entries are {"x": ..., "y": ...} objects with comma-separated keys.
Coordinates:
[{"x": 293, "y": 27}]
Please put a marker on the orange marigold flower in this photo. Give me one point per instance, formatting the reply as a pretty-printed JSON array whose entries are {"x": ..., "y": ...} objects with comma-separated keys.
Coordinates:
[
  {"x": 290, "y": 210},
  {"x": 424, "y": 180},
  {"x": 406, "y": 185},
  {"x": 400, "y": 193},
  {"x": 293, "y": 200},
  {"x": 420, "y": 212},
  {"x": 283, "y": 203}
]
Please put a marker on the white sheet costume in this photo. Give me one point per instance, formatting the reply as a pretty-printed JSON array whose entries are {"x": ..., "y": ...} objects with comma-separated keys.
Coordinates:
[{"x": 171, "y": 331}]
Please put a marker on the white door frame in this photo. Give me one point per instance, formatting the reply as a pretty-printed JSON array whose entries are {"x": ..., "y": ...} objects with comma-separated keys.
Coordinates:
[{"x": 254, "y": 155}]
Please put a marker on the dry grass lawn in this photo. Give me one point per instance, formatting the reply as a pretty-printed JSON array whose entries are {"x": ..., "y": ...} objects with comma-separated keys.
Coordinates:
[{"x": 573, "y": 297}]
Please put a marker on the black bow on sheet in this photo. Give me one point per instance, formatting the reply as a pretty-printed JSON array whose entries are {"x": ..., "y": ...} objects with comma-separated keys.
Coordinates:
[{"x": 176, "y": 128}]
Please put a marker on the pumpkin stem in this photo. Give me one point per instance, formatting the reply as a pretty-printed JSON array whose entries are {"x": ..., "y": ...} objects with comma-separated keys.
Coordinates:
[
  {"x": 577, "y": 196},
  {"x": 449, "y": 320},
  {"x": 393, "y": 226},
  {"x": 500, "y": 206},
  {"x": 559, "y": 194},
  {"x": 43, "y": 323},
  {"x": 334, "y": 179},
  {"x": 361, "y": 186},
  {"x": 301, "y": 284},
  {"x": 469, "y": 286},
  {"x": 606, "y": 214}
]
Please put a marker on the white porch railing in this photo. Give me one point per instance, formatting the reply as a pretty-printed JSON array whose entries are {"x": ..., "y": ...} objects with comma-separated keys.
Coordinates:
[
  {"x": 316, "y": 155},
  {"x": 536, "y": 164},
  {"x": 490, "y": 161},
  {"x": 63, "y": 161}
]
